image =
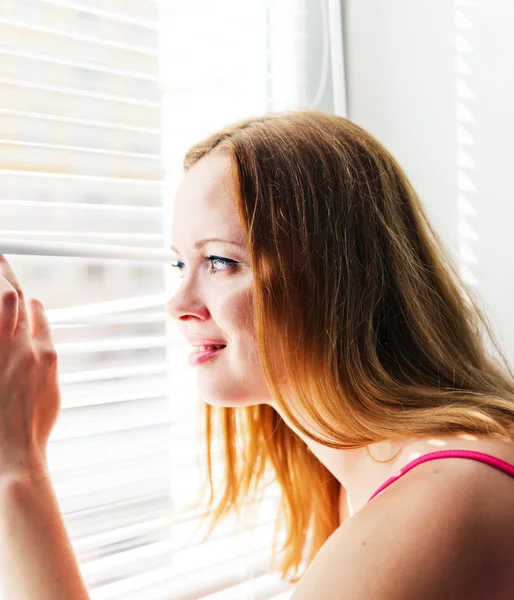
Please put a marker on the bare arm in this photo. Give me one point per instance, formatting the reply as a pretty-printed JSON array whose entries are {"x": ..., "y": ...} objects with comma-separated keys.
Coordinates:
[{"x": 36, "y": 558}]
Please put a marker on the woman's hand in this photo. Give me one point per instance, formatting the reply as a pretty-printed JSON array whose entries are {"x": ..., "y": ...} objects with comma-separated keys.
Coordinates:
[
  {"x": 36, "y": 554},
  {"x": 30, "y": 398}
]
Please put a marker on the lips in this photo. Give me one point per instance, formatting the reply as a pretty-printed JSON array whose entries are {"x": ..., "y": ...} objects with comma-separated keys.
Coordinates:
[
  {"x": 203, "y": 354},
  {"x": 204, "y": 348}
]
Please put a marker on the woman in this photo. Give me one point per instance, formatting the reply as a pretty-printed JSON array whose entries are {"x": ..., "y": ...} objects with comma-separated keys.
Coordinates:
[{"x": 334, "y": 337}]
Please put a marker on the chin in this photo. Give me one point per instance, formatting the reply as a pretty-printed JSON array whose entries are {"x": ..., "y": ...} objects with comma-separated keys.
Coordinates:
[
  {"x": 230, "y": 391},
  {"x": 229, "y": 397}
]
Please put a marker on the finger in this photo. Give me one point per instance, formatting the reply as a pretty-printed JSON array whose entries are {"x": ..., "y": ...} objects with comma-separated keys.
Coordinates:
[
  {"x": 39, "y": 325},
  {"x": 6, "y": 271},
  {"x": 8, "y": 308}
]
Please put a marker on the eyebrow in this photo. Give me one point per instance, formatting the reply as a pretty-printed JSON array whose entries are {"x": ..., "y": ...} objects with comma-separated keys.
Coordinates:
[{"x": 197, "y": 245}]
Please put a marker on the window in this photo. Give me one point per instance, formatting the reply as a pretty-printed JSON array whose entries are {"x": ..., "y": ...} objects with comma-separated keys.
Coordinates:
[{"x": 98, "y": 103}]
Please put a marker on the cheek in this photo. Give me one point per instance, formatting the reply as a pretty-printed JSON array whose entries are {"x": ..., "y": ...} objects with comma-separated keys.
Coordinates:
[
  {"x": 244, "y": 329},
  {"x": 245, "y": 317},
  {"x": 237, "y": 313}
]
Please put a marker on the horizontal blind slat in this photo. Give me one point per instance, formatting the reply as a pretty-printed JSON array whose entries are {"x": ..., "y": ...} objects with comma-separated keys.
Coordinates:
[
  {"x": 133, "y": 392},
  {"x": 112, "y": 344},
  {"x": 50, "y": 147},
  {"x": 81, "y": 93},
  {"x": 106, "y": 308},
  {"x": 89, "y": 178},
  {"x": 76, "y": 121},
  {"x": 77, "y": 37},
  {"x": 106, "y": 14},
  {"x": 113, "y": 373},
  {"x": 108, "y": 70},
  {"x": 113, "y": 320},
  {"x": 41, "y": 248},
  {"x": 153, "y": 238},
  {"x": 120, "y": 534},
  {"x": 77, "y": 206},
  {"x": 132, "y": 414}
]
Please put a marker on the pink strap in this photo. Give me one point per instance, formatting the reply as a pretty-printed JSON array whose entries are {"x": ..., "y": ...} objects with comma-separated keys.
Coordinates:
[{"x": 472, "y": 454}]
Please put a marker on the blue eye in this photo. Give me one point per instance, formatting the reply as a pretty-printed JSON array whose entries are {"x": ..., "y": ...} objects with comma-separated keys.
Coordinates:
[
  {"x": 218, "y": 263},
  {"x": 226, "y": 264}
]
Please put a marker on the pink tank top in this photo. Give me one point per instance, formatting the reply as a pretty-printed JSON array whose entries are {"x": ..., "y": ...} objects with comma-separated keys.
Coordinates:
[{"x": 498, "y": 463}]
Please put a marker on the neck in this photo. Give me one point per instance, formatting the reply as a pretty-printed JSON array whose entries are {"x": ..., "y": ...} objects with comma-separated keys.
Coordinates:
[{"x": 360, "y": 471}]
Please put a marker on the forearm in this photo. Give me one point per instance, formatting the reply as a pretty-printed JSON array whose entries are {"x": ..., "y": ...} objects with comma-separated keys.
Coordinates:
[{"x": 36, "y": 557}]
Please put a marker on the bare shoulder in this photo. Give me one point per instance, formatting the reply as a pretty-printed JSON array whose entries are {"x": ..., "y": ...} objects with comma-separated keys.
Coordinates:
[{"x": 424, "y": 538}]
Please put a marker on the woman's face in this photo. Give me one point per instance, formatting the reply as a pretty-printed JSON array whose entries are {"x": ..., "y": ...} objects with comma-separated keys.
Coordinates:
[{"x": 213, "y": 302}]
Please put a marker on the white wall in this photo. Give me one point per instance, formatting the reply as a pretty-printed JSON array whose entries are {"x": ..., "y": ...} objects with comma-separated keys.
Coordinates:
[{"x": 434, "y": 82}]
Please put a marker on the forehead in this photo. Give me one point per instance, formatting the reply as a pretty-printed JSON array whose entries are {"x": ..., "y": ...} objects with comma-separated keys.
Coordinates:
[{"x": 205, "y": 203}]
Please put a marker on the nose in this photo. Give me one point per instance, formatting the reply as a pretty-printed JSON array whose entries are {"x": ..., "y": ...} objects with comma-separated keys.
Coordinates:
[{"x": 187, "y": 303}]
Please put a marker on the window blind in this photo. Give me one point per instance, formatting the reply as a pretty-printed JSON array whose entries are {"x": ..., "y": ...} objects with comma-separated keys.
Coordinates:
[{"x": 98, "y": 103}]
